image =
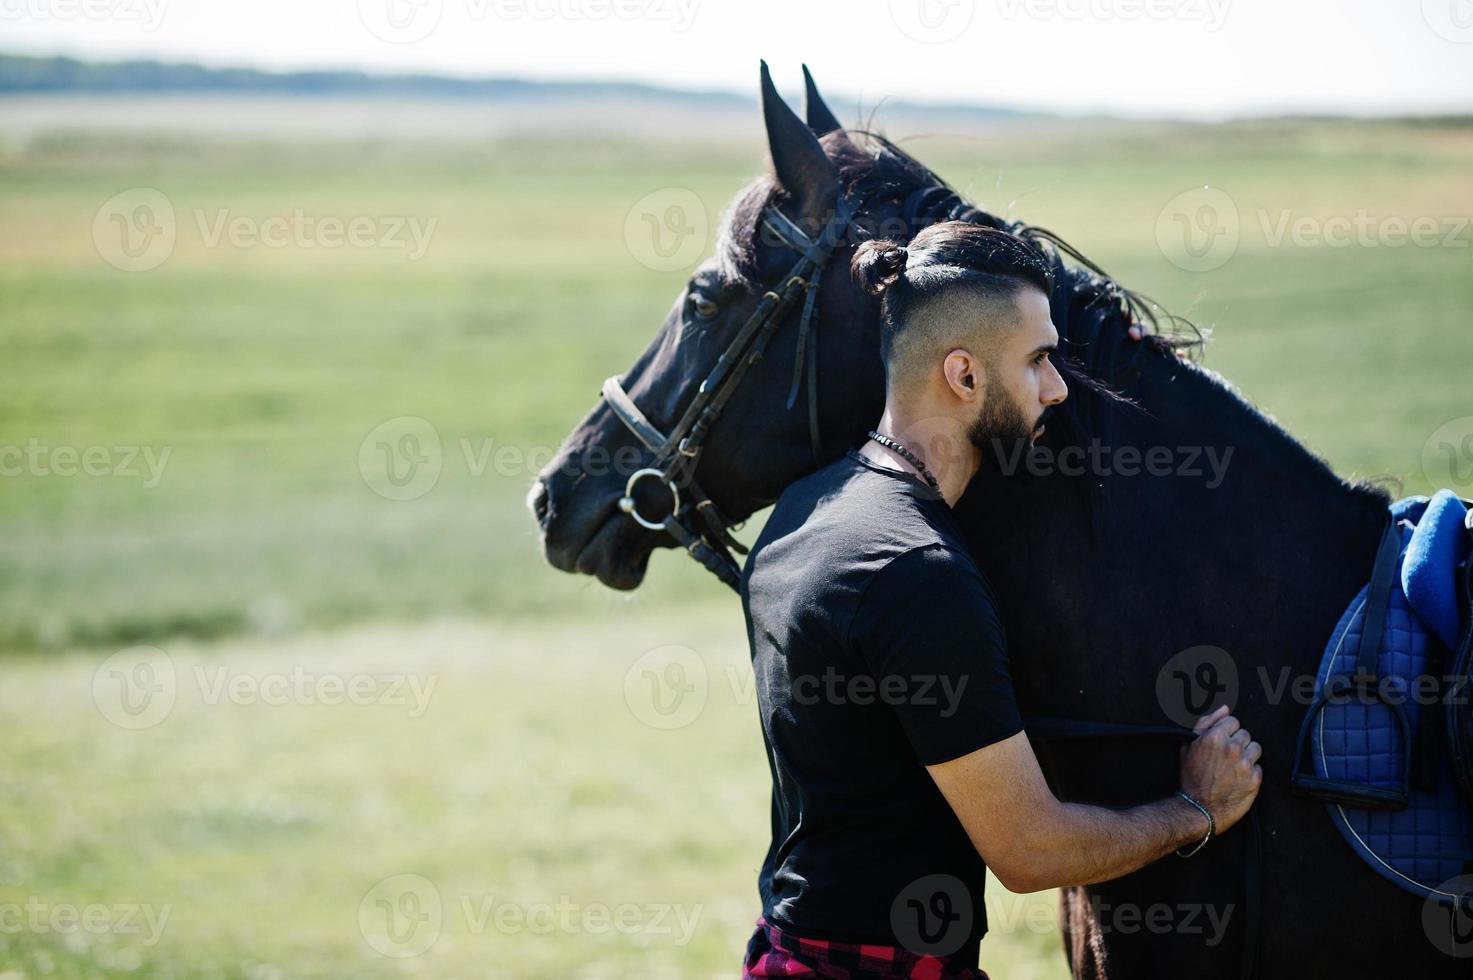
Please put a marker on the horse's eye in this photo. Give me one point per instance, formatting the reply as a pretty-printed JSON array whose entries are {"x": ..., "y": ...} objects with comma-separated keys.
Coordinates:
[{"x": 704, "y": 306}]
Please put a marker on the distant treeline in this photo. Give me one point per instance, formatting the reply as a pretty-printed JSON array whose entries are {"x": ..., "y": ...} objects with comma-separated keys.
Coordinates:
[
  {"x": 22, "y": 74},
  {"x": 26, "y": 74}
]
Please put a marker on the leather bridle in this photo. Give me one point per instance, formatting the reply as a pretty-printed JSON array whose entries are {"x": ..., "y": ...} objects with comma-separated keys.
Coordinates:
[{"x": 694, "y": 520}]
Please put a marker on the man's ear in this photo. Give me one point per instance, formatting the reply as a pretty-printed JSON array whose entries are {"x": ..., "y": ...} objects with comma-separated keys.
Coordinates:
[{"x": 965, "y": 375}]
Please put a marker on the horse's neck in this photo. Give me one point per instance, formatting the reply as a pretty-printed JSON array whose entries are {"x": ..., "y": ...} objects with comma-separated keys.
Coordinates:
[{"x": 1104, "y": 580}]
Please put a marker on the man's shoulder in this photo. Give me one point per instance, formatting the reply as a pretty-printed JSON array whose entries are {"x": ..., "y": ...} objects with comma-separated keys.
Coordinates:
[
  {"x": 840, "y": 527},
  {"x": 929, "y": 571}
]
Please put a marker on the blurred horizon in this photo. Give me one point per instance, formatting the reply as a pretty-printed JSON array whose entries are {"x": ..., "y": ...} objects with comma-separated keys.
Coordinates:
[{"x": 1153, "y": 59}]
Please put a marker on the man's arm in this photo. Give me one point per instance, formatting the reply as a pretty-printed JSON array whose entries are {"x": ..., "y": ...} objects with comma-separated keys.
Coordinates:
[{"x": 1032, "y": 841}]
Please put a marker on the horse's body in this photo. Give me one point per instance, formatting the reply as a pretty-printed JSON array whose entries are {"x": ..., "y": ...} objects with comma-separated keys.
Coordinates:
[{"x": 1103, "y": 578}]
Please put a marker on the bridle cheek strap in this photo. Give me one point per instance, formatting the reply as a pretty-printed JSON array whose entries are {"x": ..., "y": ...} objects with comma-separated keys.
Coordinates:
[{"x": 695, "y": 523}]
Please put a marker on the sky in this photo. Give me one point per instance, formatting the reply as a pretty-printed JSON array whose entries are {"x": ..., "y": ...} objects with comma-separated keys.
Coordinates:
[{"x": 1178, "y": 58}]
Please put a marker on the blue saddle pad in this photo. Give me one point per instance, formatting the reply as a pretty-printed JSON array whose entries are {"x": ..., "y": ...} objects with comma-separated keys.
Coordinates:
[
  {"x": 1362, "y": 740},
  {"x": 1429, "y": 578}
]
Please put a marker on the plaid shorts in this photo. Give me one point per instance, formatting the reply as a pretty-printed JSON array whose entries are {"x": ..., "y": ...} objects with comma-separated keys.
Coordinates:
[{"x": 774, "y": 953}]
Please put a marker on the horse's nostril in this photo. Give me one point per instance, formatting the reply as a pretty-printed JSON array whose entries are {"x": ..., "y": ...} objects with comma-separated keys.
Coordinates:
[{"x": 539, "y": 502}]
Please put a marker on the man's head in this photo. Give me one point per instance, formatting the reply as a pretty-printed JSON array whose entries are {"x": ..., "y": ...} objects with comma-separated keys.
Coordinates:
[{"x": 967, "y": 333}]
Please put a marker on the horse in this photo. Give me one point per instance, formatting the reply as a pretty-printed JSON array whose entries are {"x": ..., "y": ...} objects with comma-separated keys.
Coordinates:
[{"x": 1108, "y": 572}]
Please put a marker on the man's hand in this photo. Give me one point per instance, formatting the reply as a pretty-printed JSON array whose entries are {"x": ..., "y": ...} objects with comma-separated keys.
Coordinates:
[{"x": 1220, "y": 768}]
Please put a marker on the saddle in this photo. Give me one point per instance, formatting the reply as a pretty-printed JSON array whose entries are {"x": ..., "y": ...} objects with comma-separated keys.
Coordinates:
[{"x": 1389, "y": 732}]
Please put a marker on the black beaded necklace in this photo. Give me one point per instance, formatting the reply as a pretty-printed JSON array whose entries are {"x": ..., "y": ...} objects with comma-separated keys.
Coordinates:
[{"x": 908, "y": 456}]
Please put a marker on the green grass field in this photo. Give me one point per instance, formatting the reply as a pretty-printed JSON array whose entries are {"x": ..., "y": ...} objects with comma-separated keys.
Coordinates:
[{"x": 530, "y": 792}]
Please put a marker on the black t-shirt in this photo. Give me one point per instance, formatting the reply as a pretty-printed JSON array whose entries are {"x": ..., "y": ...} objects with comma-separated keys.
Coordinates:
[{"x": 878, "y": 650}]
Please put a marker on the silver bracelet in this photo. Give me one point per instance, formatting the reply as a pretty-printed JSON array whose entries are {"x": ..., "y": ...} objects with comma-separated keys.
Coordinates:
[{"x": 1211, "y": 827}]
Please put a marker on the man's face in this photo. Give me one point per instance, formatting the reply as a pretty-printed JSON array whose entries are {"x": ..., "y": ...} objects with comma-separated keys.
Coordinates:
[{"x": 1022, "y": 382}]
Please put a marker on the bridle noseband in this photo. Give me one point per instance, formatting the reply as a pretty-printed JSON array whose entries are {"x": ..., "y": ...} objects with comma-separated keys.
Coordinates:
[{"x": 694, "y": 520}]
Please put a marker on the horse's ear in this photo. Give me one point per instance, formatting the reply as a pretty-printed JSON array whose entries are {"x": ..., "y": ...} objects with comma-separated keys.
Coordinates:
[
  {"x": 820, "y": 119},
  {"x": 803, "y": 170}
]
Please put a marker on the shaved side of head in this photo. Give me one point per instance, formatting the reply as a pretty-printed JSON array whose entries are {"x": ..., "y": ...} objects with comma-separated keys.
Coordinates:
[{"x": 967, "y": 315}]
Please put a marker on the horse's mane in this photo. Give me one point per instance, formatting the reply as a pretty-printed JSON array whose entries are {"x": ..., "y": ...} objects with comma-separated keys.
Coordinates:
[{"x": 874, "y": 171}]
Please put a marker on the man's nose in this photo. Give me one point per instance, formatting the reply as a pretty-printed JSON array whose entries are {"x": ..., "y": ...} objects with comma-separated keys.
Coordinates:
[{"x": 1056, "y": 390}]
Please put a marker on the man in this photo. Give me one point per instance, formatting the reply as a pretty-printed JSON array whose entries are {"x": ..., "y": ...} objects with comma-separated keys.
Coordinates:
[{"x": 898, "y": 760}]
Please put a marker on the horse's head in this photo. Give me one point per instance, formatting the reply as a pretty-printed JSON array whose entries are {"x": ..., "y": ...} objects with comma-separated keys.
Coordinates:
[{"x": 817, "y": 385}]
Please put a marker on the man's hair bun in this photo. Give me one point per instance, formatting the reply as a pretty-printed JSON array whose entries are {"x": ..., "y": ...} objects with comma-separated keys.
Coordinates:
[{"x": 878, "y": 265}]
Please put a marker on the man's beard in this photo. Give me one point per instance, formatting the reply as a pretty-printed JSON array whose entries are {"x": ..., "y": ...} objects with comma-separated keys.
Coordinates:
[{"x": 1001, "y": 424}]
